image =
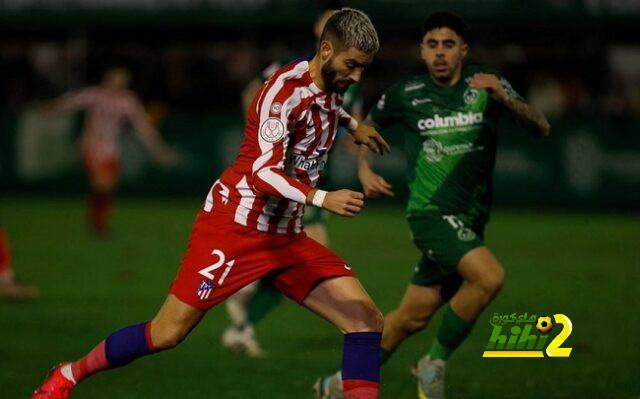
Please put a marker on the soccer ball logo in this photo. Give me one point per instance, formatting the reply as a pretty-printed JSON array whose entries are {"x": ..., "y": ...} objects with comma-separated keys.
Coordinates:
[{"x": 544, "y": 324}]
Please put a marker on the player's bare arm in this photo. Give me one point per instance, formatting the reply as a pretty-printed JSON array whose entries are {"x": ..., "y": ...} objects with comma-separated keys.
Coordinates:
[
  {"x": 71, "y": 101},
  {"x": 150, "y": 137},
  {"x": 373, "y": 184},
  {"x": 527, "y": 114}
]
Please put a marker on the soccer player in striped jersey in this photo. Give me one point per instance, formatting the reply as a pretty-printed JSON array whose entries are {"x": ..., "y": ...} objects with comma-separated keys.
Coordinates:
[
  {"x": 108, "y": 106},
  {"x": 449, "y": 118},
  {"x": 10, "y": 289},
  {"x": 250, "y": 224},
  {"x": 250, "y": 305}
]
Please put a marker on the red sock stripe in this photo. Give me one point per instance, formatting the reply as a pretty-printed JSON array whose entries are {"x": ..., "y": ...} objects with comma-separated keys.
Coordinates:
[
  {"x": 147, "y": 336},
  {"x": 99, "y": 211},
  {"x": 354, "y": 384},
  {"x": 93, "y": 362},
  {"x": 360, "y": 389},
  {"x": 5, "y": 258}
]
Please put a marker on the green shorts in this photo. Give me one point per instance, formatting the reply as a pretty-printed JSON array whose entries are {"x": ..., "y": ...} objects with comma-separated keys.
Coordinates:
[
  {"x": 443, "y": 241},
  {"x": 314, "y": 215}
]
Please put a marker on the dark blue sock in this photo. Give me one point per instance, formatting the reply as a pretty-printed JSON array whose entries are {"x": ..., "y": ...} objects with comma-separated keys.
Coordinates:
[
  {"x": 128, "y": 344},
  {"x": 360, "y": 356}
]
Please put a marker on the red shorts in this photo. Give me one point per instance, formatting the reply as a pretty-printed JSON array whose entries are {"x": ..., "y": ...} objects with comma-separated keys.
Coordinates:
[{"x": 223, "y": 256}]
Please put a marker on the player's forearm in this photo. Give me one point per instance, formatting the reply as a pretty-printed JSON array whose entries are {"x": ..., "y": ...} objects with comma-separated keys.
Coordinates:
[
  {"x": 364, "y": 159},
  {"x": 59, "y": 105},
  {"x": 275, "y": 183},
  {"x": 364, "y": 155},
  {"x": 530, "y": 117},
  {"x": 149, "y": 136}
]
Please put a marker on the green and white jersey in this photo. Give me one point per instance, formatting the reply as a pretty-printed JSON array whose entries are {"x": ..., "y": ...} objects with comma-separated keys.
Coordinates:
[{"x": 450, "y": 138}]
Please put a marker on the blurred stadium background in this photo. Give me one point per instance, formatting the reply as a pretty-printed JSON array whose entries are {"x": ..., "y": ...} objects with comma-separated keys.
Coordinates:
[{"x": 565, "y": 226}]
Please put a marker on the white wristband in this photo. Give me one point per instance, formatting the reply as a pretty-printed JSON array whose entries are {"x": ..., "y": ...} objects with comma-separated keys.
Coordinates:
[
  {"x": 318, "y": 198},
  {"x": 353, "y": 125}
]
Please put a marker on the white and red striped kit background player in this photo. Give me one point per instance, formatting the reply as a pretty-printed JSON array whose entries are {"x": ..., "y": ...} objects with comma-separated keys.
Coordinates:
[{"x": 108, "y": 107}]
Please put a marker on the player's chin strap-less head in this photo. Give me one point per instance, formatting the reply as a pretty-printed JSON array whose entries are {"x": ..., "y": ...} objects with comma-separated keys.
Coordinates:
[
  {"x": 347, "y": 45},
  {"x": 445, "y": 19},
  {"x": 348, "y": 28}
]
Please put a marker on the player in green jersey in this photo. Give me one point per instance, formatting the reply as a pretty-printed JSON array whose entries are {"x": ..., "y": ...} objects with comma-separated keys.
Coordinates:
[
  {"x": 250, "y": 305},
  {"x": 449, "y": 119}
]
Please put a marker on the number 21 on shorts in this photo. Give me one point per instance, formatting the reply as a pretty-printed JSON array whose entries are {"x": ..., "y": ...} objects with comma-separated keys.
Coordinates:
[{"x": 207, "y": 271}]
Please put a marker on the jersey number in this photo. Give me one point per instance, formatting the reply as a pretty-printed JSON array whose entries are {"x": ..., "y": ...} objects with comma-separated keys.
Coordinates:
[{"x": 221, "y": 261}]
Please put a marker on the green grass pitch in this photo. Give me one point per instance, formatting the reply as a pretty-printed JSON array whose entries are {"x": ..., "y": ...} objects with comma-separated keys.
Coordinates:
[{"x": 584, "y": 265}]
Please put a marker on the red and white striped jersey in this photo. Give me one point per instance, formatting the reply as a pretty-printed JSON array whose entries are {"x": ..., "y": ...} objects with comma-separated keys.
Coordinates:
[
  {"x": 290, "y": 128},
  {"x": 106, "y": 114}
]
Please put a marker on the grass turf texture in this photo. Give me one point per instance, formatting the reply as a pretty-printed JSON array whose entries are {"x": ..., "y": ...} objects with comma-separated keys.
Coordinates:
[{"x": 583, "y": 265}]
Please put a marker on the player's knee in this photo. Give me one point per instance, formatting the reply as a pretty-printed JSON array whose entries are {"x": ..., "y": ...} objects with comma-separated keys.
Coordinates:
[
  {"x": 377, "y": 321},
  {"x": 368, "y": 318},
  {"x": 492, "y": 282},
  {"x": 103, "y": 184},
  {"x": 167, "y": 337},
  {"x": 412, "y": 321}
]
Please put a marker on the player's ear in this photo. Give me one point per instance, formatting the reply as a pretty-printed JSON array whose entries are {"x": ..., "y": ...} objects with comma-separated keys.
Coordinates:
[
  {"x": 464, "y": 49},
  {"x": 326, "y": 50}
]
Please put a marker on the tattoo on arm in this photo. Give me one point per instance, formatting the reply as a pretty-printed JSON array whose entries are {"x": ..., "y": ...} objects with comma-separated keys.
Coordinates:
[
  {"x": 529, "y": 116},
  {"x": 364, "y": 155}
]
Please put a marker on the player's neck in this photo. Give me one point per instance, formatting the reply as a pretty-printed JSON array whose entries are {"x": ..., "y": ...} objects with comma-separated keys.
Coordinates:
[{"x": 315, "y": 71}]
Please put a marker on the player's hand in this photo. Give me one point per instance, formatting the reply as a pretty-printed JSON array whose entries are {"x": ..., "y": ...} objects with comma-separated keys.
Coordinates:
[
  {"x": 367, "y": 135},
  {"x": 491, "y": 83},
  {"x": 374, "y": 185},
  {"x": 343, "y": 202}
]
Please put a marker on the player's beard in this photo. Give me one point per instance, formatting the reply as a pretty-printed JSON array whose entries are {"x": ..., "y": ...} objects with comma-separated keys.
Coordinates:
[{"x": 332, "y": 84}]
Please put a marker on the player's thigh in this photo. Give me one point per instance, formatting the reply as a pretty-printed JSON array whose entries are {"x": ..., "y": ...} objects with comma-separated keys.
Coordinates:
[
  {"x": 345, "y": 304},
  {"x": 481, "y": 266},
  {"x": 103, "y": 182},
  {"x": 318, "y": 233}
]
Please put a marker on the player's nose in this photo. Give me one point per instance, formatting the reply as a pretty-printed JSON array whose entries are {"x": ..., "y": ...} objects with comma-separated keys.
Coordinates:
[{"x": 356, "y": 75}]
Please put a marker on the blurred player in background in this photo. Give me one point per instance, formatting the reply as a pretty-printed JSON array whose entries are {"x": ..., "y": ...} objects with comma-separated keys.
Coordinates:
[
  {"x": 250, "y": 305},
  {"x": 108, "y": 106},
  {"x": 449, "y": 119},
  {"x": 251, "y": 222},
  {"x": 10, "y": 289}
]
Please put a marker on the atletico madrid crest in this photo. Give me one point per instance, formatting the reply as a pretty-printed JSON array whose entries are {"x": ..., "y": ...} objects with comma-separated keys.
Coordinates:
[{"x": 204, "y": 290}]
